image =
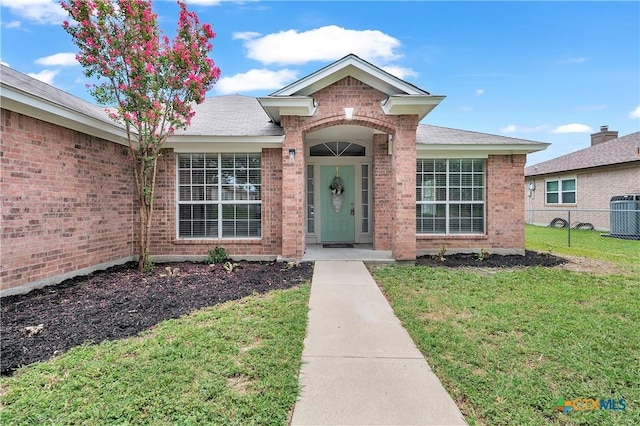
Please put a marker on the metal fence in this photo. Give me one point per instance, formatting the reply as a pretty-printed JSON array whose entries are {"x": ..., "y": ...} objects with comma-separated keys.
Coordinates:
[{"x": 581, "y": 226}]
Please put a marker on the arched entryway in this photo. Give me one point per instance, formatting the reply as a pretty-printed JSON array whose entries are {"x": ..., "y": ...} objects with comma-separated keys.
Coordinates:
[{"x": 339, "y": 185}]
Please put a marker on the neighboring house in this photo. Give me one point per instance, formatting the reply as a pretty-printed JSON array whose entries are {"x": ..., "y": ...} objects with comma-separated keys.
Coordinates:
[
  {"x": 584, "y": 180},
  {"x": 253, "y": 175}
]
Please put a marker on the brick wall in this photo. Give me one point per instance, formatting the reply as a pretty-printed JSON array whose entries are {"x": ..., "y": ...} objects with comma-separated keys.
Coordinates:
[
  {"x": 403, "y": 169},
  {"x": 504, "y": 202},
  {"x": 393, "y": 176},
  {"x": 67, "y": 201},
  {"x": 383, "y": 200},
  {"x": 164, "y": 241},
  {"x": 293, "y": 187},
  {"x": 594, "y": 188}
]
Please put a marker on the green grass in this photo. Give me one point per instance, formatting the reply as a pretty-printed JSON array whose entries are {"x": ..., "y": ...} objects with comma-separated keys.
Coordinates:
[
  {"x": 624, "y": 253},
  {"x": 235, "y": 363},
  {"x": 508, "y": 344}
]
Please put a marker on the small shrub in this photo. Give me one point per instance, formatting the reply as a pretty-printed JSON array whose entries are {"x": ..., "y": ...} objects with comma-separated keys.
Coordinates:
[
  {"x": 441, "y": 253},
  {"x": 148, "y": 264},
  {"x": 217, "y": 255},
  {"x": 482, "y": 255}
]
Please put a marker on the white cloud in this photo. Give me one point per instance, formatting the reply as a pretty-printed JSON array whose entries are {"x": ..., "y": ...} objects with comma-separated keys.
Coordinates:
[
  {"x": 6, "y": 64},
  {"x": 321, "y": 44},
  {"x": 479, "y": 92},
  {"x": 64, "y": 59},
  {"x": 203, "y": 2},
  {"x": 572, "y": 60},
  {"x": 256, "y": 79},
  {"x": 12, "y": 24},
  {"x": 468, "y": 109},
  {"x": 246, "y": 35},
  {"x": 635, "y": 113},
  {"x": 400, "y": 72},
  {"x": 572, "y": 128},
  {"x": 46, "y": 76},
  {"x": 39, "y": 11},
  {"x": 590, "y": 107},
  {"x": 513, "y": 128}
]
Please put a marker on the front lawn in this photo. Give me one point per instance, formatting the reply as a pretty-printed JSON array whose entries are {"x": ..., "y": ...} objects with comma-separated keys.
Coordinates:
[
  {"x": 507, "y": 345},
  {"x": 235, "y": 363},
  {"x": 584, "y": 243}
]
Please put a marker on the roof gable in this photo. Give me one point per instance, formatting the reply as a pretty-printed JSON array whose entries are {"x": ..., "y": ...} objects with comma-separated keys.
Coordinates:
[
  {"x": 625, "y": 149},
  {"x": 350, "y": 65}
]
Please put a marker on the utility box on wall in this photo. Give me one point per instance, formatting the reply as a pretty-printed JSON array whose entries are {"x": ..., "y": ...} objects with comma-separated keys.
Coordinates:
[{"x": 625, "y": 216}]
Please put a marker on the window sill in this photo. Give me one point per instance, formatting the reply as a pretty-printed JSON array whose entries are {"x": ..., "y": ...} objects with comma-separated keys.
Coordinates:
[
  {"x": 219, "y": 241},
  {"x": 451, "y": 237}
]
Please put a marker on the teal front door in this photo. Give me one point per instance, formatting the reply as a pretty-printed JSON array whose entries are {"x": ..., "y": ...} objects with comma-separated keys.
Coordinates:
[{"x": 338, "y": 218}]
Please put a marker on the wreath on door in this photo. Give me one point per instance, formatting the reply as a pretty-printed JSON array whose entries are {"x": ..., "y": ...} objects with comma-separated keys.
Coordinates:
[{"x": 337, "y": 189}]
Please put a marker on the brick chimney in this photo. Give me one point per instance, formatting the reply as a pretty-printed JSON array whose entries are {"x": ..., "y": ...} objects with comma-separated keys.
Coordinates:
[{"x": 603, "y": 135}]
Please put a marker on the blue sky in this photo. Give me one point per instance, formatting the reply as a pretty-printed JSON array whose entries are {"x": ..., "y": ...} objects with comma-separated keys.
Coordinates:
[{"x": 546, "y": 71}]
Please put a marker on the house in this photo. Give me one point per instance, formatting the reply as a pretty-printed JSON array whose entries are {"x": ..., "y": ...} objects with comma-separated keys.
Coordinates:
[
  {"x": 584, "y": 180},
  {"x": 254, "y": 175}
]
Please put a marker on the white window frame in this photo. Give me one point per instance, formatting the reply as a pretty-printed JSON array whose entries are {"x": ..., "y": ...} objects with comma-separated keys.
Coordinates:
[
  {"x": 448, "y": 202},
  {"x": 560, "y": 192},
  {"x": 220, "y": 201}
]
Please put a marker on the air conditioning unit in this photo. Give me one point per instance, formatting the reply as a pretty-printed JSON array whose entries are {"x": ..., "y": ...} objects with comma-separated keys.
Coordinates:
[{"x": 624, "y": 217}]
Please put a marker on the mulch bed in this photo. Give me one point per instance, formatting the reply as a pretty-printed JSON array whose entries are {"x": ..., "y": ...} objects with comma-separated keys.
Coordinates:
[
  {"x": 460, "y": 260},
  {"x": 119, "y": 302}
]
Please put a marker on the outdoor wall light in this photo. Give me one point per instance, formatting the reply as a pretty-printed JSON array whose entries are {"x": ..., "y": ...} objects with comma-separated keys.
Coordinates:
[
  {"x": 348, "y": 113},
  {"x": 292, "y": 155}
]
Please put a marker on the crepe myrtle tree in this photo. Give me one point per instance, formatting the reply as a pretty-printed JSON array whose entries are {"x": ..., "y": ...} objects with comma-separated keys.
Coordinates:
[{"x": 147, "y": 81}]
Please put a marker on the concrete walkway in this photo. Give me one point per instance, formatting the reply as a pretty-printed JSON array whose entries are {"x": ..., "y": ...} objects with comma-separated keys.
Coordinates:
[{"x": 359, "y": 364}]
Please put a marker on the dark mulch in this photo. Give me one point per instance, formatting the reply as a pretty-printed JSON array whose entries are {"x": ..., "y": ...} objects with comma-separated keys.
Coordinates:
[
  {"x": 531, "y": 258},
  {"x": 119, "y": 303}
]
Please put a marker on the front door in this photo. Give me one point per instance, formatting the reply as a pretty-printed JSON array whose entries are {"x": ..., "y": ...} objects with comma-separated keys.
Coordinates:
[{"x": 338, "y": 217}]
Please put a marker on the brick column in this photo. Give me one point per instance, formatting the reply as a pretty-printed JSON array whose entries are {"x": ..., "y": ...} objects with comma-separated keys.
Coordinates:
[
  {"x": 292, "y": 190},
  {"x": 505, "y": 203},
  {"x": 383, "y": 196},
  {"x": 403, "y": 171}
]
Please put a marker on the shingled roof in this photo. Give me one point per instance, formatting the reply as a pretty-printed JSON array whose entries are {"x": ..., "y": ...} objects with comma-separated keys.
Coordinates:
[
  {"x": 233, "y": 115},
  {"x": 436, "y": 135},
  {"x": 625, "y": 149}
]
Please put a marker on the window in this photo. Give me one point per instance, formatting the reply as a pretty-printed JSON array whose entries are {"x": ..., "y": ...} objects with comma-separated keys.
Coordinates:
[
  {"x": 561, "y": 191},
  {"x": 219, "y": 195},
  {"x": 337, "y": 149},
  {"x": 450, "y": 196},
  {"x": 310, "y": 205}
]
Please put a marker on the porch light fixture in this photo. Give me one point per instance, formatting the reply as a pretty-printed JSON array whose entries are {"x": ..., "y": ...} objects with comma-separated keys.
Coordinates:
[
  {"x": 348, "y": 113},
  {"x": 389, "y": 144},
  {"x": 292, "y": 155}
]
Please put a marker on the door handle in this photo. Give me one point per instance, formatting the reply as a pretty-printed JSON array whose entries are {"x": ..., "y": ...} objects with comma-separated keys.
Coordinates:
[{"x": 353, "y": 213}]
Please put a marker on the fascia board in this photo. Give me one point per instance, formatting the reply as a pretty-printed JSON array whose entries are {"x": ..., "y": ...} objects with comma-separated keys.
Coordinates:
[
  {"x": 349, "y": 66},
  {"x": 480, "y": 148},
  {"x": 224, "y": 144},
  {"x": 42, "y": 109},
  {"x": 411, "y": 104},
  {"x": 275, "y": 107}
]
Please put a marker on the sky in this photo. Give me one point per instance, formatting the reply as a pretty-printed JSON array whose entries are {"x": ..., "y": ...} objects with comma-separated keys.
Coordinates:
[{"x": 545, "y": 71}]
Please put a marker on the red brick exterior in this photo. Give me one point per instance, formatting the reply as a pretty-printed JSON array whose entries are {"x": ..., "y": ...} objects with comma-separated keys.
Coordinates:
[
  {"x": 504, "y": 211},
  {"x": 393, "y": 176},
  {"x": 383, "y": 200},
  {"x": 67, "y": 200},
  {"x": 164, "y": 241}
]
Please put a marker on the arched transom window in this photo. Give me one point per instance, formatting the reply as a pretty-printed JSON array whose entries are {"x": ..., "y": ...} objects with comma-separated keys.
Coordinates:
[{"x": 337, "y": 149}]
